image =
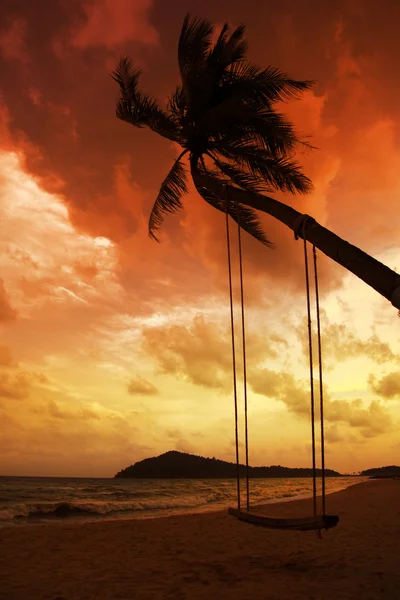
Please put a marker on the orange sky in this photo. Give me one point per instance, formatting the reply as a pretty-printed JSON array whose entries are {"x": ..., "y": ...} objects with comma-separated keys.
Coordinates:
[{"x": 114, "y": 348}]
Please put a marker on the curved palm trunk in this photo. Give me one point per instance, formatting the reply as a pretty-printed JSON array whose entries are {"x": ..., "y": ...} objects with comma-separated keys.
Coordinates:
[{"x": 385, "y": 281}]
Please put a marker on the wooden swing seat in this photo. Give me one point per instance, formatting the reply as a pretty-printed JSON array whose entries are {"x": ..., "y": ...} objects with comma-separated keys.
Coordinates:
[{"x": 303, "y": 524}]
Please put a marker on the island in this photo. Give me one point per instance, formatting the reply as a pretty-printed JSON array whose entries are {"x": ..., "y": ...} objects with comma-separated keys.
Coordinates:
[
  {"x": 178, "y": 465},
  {"x": 391, "y": 471}
]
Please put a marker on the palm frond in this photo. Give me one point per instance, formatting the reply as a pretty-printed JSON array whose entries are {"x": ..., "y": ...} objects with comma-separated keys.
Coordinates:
[
  {"x": 263, "y": 86},
  {"x": 214, "y": 58},
  {"x": 227, "y": 51},
  {"x": 144, "y": 111},
  {"x": 127, "y": 77},
  {"x": 236, "y": 47},
  {"x": 194, "y": 43},
  {"x": 169, "y": 198},
  {"x": 177, "y": 103},
  {"x": 279, "y": 173},
  {"x": 237, "y": 120},
  {"x": 241, "y": 214},
  {"x": 243, "y": 179},
  {"x": 137, "y": 108}
]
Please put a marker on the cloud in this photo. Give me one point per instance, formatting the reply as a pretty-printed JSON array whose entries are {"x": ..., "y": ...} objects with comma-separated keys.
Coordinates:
[
  {"x": 138, "y": 386},
  {"x": 15, "y": 386},
  {"x": 111, "y": 23},
  {"x": 333, "y": 434},
  {"x": 199, "y": 351},
  {"x": 281, "y": 386},
  {"x": 45, "y": 260},
  {"x": 340, "y": 342},
  {"x": 6, "y": 358},
  {"x": 388, "y": 386},
  {"x": 369, "y": 419},
  {"x": 7, "y": 313},
  {"x": 81, "y": 413},
  {"x": 12, "y": 40},
  {"x": 56, "y": 439},
  {"x": 180, "y": 442}
]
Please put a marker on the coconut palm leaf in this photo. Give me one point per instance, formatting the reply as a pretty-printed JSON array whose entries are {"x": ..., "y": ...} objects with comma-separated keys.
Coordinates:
[
  {"x": 194, "y": 44},
  {"x": 127, "y": 77},
  {"x": 265, "y": 86},
  {"x": 241, "y": 214},
  {"x": 216, "y": 54},
  {"x": 244, "y": 180},
  {"x": 177, "y": 103},
  {"x": 139, "y": 109},
  {"x": 169, "y": 198},
  {"x": 235, "y": 121},
  {"x": 227, "y": 50},
  {"x": 144, "y": 111},
  {"x": 278, "y": 172}
]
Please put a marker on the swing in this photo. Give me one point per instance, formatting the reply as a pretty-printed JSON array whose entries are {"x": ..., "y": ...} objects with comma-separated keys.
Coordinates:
[{"x": 315, "y": 521}]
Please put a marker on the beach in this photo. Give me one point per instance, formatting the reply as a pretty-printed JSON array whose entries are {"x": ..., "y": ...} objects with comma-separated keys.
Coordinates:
[{"x": 212, "y": 555}]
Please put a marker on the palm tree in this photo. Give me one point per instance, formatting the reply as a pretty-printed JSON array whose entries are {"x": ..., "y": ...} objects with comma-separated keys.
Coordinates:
[{"x": 239, "y": 148}]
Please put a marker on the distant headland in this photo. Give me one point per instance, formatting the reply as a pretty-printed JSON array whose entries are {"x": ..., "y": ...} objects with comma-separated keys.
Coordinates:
[
  {"x": 179, "y": 465},
  {"x": 382, "y": 472}
]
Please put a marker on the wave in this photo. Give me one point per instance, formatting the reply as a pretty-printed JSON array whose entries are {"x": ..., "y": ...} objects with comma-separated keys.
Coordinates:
[
  {"x": 62, "y": 510},
  {"x": 65, "y": 510},
  {"x": 133, "y": 500}
]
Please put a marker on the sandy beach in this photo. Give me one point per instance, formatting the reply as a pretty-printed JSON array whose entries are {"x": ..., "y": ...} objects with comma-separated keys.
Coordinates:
[{"x": 213, "y": 555}]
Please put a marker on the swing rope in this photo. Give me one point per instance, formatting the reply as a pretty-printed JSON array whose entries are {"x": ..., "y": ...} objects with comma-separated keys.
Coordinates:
[
  {"x": 228, "y": 243},
  {"x": 310, "y": 356},
  {"x": 303, "y": 223},
  {"x": 244, "y": 358},
  {"x": 321, "y": 390}
]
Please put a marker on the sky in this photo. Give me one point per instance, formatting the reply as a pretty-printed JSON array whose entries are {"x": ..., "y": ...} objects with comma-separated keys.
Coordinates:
[{"x": 114, "y": 348}]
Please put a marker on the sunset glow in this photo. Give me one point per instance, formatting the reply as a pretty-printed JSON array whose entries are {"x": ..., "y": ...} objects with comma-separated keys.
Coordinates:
[{"x": 115, "y": 348}]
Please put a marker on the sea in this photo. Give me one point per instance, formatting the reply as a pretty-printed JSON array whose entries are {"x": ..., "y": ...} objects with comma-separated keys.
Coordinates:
[{"x": 30, "y": 500}]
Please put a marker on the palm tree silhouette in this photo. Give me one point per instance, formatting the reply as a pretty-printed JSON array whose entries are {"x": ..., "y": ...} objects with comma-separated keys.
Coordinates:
[{"x": 239, "y": 147}]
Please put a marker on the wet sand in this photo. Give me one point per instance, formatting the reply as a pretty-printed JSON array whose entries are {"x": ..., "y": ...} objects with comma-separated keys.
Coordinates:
[{"x": 213, "y": 556}]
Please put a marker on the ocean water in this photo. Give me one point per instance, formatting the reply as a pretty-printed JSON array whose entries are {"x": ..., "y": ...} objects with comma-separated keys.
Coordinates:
[{"x": 28, "y": 500}]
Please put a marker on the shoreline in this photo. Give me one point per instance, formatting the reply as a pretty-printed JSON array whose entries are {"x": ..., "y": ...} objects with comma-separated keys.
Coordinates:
[
  {"x": 68, "y": 511},
  {"x": 213, "y": 555}
]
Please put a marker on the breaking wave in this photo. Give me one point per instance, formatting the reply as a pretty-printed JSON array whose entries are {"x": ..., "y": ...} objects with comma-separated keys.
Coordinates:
[{"x": 26, "y": 501}]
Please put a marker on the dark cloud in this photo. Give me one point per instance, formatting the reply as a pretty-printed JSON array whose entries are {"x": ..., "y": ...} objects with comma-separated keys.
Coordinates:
[
  {"x": 12, "y": 40},
  {"x": 388, "y": 386},
  {"x": 111, "y": 23},
  {"x": 138, "y": 386}
]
